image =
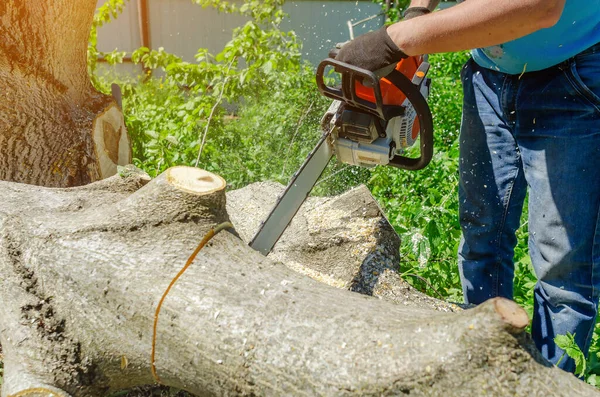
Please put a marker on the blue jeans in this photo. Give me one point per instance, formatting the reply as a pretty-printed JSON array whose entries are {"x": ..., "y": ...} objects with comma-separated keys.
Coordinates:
[{"x": 538, "y": 131}]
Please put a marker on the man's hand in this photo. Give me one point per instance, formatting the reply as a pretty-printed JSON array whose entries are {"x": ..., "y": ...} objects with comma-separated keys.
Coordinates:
[
  {"x": 371, "y": 51},
  {"x": 375, "y": 50}
]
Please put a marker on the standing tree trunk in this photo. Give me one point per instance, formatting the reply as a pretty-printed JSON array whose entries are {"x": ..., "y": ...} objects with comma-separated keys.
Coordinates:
[{"x": 55, "y": 128}]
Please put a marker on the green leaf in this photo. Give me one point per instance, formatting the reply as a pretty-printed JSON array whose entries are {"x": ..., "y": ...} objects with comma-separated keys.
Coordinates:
[
  {"x": 172, "y": 139},
  {"x": 592, "y": 380},
  {"x": 152, "y": 134},
  {"x": 564, "y": 341},
  {"x": 568, "y": 344},
  {"x": 267, "y": 67}
]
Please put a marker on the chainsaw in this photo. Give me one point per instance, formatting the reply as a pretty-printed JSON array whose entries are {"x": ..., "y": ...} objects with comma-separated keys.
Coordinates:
[{"x": 373, "y": 119}]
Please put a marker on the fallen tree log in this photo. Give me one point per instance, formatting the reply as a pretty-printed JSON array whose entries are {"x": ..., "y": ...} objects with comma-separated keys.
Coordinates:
[{"x": 84, "y": 268}]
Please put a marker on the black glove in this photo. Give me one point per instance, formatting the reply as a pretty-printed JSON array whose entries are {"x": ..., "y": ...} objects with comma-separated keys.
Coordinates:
[
  {"x": 412, "y": 12},
  {"x": 371, "y": 51}
]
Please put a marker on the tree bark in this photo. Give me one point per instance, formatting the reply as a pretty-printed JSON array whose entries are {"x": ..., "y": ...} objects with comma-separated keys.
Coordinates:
[
  {"x": 84, "y": 268},
  {"x": 55, "y": 128},
  {"x": 344, "y": 241}
]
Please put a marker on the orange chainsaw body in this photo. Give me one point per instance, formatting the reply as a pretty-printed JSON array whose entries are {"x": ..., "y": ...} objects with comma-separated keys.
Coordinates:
[{"x": 391, "y": 94}]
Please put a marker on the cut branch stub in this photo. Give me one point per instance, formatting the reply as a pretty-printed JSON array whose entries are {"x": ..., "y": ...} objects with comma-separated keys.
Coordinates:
[
  {"x": 195, "y": 180},
  {"x": 512, "y": 314}
]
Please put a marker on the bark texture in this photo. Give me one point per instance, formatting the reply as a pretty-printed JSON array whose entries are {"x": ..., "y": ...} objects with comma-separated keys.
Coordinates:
[
  {"x": 84, "y": 268},
  {"x": 55, "y": 128}
]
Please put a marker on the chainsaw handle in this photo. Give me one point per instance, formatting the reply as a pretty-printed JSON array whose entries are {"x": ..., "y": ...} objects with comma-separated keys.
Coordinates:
[
  {"x": 413, "y": 94},
  {"x": 347, "y": 92}
]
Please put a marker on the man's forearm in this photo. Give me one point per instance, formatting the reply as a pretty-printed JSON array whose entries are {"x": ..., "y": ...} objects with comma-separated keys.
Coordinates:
[{"x": 473, "y": 24}]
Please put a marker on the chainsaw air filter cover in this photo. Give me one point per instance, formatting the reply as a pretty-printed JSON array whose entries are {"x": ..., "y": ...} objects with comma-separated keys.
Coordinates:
[{"x": 360, "y": 126}]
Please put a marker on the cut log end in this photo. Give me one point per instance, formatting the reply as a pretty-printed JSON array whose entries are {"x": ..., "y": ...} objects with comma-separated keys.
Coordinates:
[
  {"x": 195, "y": 180},
  {"x": 512, "y": 314}
]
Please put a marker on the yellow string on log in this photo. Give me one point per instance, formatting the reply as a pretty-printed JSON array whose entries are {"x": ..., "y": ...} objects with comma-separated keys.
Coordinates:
[{"x": 211, "y": 233}]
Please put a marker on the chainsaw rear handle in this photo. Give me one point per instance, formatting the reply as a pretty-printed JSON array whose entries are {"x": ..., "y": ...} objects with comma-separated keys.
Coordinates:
[{"x": 347, "y": 94}]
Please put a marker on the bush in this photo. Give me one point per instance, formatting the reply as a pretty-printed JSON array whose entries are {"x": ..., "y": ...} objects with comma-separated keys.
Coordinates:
[
  {"x": 423, "y": 205},
  {"x": 249, "y": 113}
]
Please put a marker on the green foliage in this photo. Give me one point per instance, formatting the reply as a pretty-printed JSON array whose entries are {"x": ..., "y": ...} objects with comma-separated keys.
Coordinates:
[
  {"x": 589, "y": 369},
  {"x": 593, "y": 360},
  {"x": 266, "y": 11},
  {"x": 568, "y": 344},
  {"x": 423, "y": 205},
  {"x": 250, "y": 112},
  {"x": 525, "y": 278},
  {"x": 104, "y": 14},
  {"x": 394, "y": 13}
]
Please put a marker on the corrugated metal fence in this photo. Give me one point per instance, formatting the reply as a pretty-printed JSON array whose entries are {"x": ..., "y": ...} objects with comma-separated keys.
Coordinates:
[{"x": 182, "y": 27}]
